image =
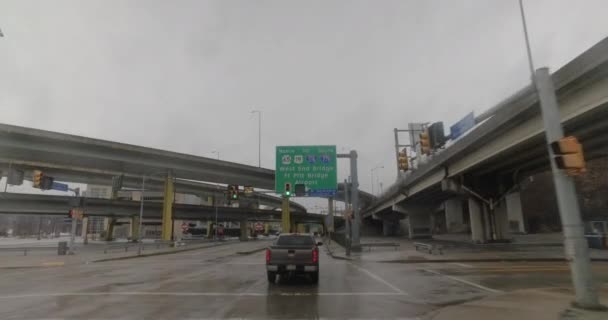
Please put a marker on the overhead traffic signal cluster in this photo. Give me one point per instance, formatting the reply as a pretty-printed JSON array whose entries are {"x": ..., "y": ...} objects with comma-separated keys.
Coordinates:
[
  {"x": 425, "y": 142},
  {"x": 42, "y": 181},
  {"x": 433, "y": 137},
  {"x": 568, "y": 156},
  {"x": 404, "y": 164}
]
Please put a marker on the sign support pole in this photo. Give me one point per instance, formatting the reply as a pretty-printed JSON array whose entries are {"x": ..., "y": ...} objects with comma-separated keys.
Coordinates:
[
  {"x": 355, "y": 244},
  {"x": 285, "y": 216}
]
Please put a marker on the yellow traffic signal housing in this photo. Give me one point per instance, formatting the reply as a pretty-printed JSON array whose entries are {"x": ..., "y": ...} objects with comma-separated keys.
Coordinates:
[
  {"x": 37, "y": 179},
  {"x": 569, "y": 156},
  {"x": 403, "y": 161},
  {"x": 425, "y": 142}
]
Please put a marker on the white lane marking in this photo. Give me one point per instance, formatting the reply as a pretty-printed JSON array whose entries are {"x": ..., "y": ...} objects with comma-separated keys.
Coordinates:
[
  {"x": 463, "y": 281},
  {"x": 196, "y": 294},
  {"x": 379, "y": 279},
  {"x": 464, "y": 265}
]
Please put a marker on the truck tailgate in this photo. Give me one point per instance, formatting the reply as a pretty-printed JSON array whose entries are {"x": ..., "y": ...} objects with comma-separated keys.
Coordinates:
[{"x": 291, "y": 255}]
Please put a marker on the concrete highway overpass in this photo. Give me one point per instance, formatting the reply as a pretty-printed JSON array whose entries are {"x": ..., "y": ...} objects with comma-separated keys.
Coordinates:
[
  {"x": 74, "y": 158},
  {"x": 488, "y": 163},
  {"x": 13, "y": 203}
]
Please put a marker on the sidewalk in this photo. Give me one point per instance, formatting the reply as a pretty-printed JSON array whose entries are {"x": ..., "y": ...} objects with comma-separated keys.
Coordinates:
[
  {"x": 95, "y": 253},
  {"x": 406, "y": 252},
  {"x": 537, "y": 304}
]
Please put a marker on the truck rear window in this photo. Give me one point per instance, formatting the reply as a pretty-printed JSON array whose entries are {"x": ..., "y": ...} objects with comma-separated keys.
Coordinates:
[{"x": 295, "y": 241}]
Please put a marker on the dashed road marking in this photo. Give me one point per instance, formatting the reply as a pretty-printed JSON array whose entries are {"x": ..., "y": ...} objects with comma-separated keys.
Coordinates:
[
  {"x": 473, "y": 284},
  {"x": 379, "y": 279},
  {"x": 463, "y": 265}
]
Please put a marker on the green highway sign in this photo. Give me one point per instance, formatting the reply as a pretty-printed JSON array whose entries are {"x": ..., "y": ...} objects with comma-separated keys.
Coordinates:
[{"x": 312, "y": 166}]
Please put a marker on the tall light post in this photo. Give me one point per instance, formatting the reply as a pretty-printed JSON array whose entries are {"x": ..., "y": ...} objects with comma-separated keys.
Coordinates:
[
  {"x": 259, "y": 136},
  {"x": 372, "y": 176},
  {"x": 575, "y": 244},
  {"x": 215, "y": 197}
]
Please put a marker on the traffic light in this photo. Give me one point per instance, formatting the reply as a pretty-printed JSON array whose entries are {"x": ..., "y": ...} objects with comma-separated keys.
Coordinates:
[
  {"x": 233, "y": 192},
  {"x": 288, "y": 189},
  {"x": 403, "y": 161},
  {"x": 37, "y": 178},
  {"x": 436, "y": 135},
  {"x": 569, "y": 156},
  {"x": 46, "y": 183},
  {"x": 425, "y": 142}
]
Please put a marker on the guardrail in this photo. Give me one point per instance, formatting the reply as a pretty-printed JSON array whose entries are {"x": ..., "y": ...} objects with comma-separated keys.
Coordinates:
[
  {"x": 26, "y": 250},
  {"x": 430, "y": 248},
  {"x": 380, "y": 244},
  {"x": 125, "y": 246}
]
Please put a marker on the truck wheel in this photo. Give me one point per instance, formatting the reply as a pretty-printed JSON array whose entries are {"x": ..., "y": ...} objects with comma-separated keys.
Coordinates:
[
  {"x": 314, "y": 277},
  {"x": 271, "y": 276}
]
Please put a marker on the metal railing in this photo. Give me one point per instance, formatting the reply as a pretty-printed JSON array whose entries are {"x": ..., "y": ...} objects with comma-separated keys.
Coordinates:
[{"x": 27, "y": 249}]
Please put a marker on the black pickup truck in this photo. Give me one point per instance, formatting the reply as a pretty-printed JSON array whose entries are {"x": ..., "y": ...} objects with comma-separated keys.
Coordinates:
[{"x": 292, "y": 254}]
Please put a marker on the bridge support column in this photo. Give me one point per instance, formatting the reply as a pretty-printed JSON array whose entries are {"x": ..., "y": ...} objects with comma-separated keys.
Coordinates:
[
  {"x": 301, "y": 228},
  {"x": 419, "y": 222},
  {"x": 453, "y": 216},
  {"x": 134, "y": 230},
  {"x": 515, "y": 213},
  {"x": 477, "y": 224},
  {"x": 109, "y": 228},
  {"x": 266, "y": 228},
  {"x": 85, "y": 230},
  {"x": 390, "y": 227},
  {"x": 167, "y": 221},
  {"x": 501, "y": 221},
  {"x": 178, "y": 232},
  {"x": 244, "y": 230},
  {"x": 209, "y": 227},
  {"x": 487, "y": 222}
]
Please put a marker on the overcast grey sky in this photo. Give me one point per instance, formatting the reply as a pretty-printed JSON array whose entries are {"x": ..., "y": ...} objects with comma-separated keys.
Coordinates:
[{"x": 184, "y": 75}]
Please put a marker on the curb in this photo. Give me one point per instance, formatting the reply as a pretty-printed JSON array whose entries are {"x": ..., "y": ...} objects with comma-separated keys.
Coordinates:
[
  {"x": 484, "y": 260},
  {"x": 331, "y": 254},
  {"x": 153, "y": 254}
]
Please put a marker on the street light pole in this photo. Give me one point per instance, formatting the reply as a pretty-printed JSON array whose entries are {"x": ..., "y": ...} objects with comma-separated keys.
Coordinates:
[
  {"x": 141, "y": 211},
  {"x": 575, "y": 245},
  {"x": 215, "y": 198},
  {"x": 259, "y": 136},
  {"x": 372, "y": 176}
]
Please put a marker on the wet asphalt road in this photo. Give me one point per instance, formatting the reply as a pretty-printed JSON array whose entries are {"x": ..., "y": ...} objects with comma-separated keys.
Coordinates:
[{"x": 218, "y": 283}]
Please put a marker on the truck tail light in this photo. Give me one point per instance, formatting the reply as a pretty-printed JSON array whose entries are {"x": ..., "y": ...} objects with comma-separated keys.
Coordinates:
[
  {"x": 315, "y": 255},
  {"x": 268, "y": 255}
]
